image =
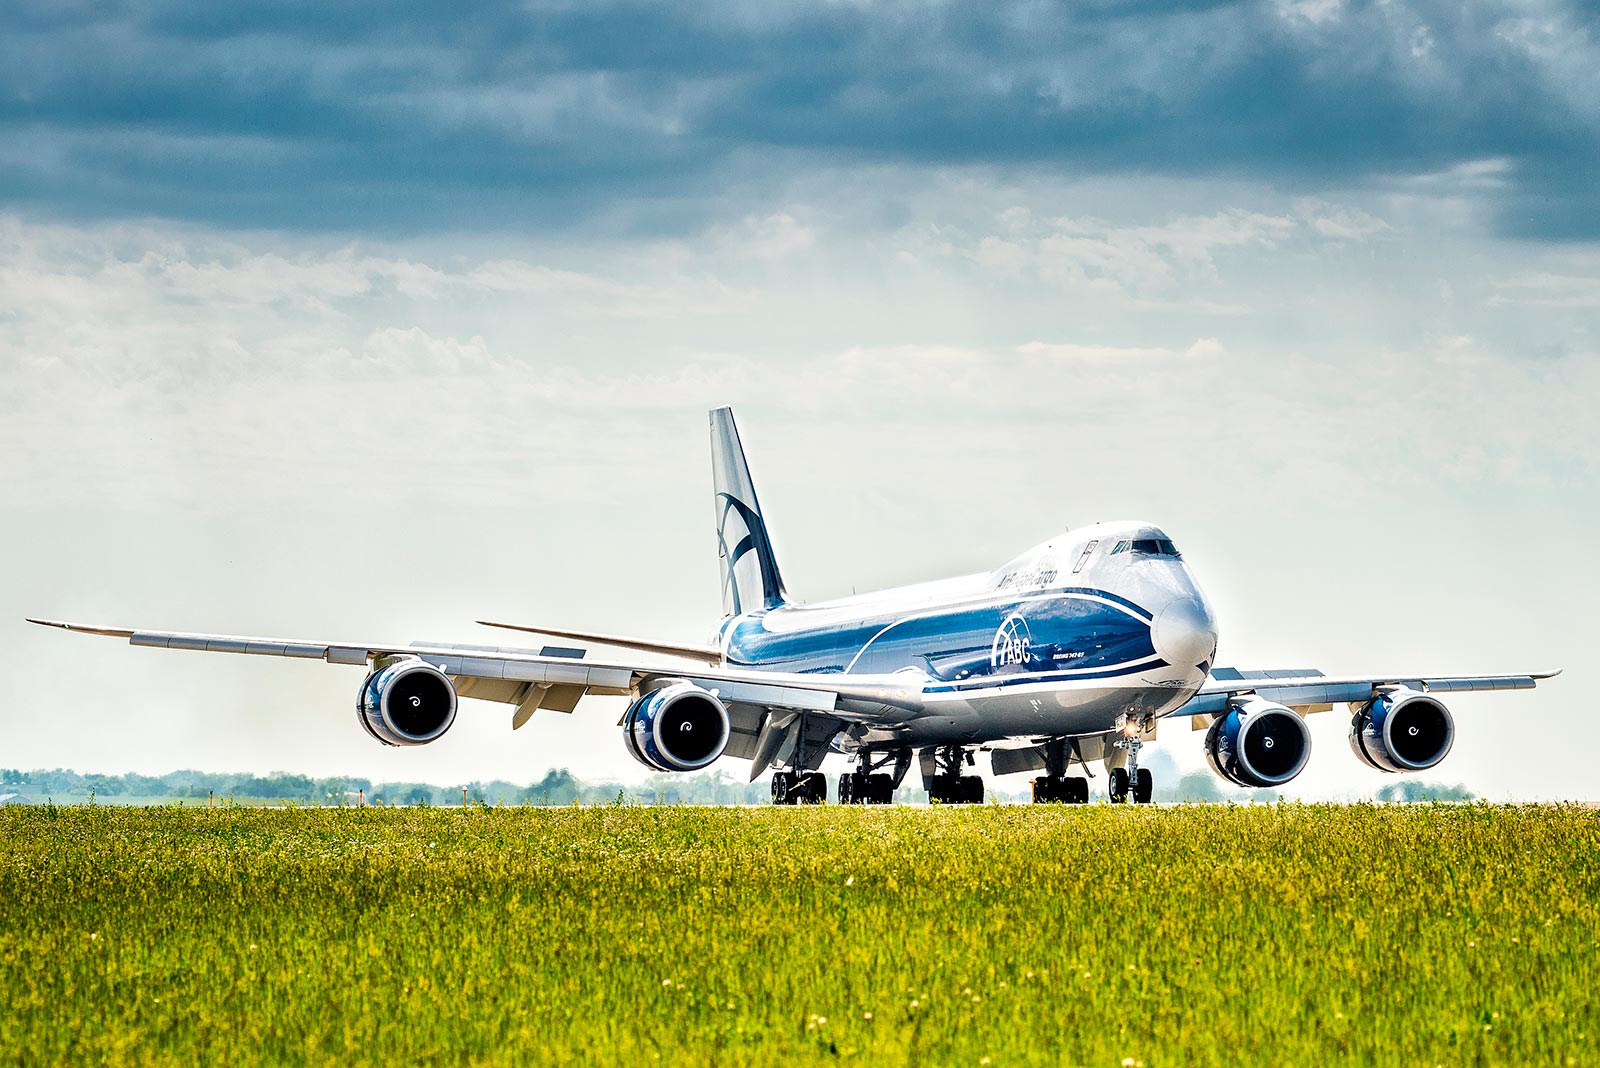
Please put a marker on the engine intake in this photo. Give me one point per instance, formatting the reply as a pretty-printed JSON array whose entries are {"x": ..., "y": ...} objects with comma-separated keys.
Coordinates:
[
  {"x": 679, "y": 727},
  {"x": 1402, "y": 730},
  {"x": 1257, "y": 743},
  {"x": 407, "y": 702}
]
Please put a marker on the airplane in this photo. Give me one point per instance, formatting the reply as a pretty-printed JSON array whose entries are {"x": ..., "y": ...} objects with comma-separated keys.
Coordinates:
[{"x": 1072, "y": 652}]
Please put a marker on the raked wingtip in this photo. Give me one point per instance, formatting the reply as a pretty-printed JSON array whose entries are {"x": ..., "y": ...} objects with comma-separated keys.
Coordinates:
[{"x": 109, "y": 632}]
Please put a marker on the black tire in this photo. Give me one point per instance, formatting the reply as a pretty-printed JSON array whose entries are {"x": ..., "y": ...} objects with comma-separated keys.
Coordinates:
[
  {"x": 1143, "y": 787},
  {"x": 1044, "y": 791},
  {"x": 1117, "y": 787},
  {"x": 780, "y": 788},
  {"x": 972, "y": 790},
  {"x": 816, "y": 791},
  {"x": 1076, "y": 791},
  {"x": 847, "y": 792},
  {"x": 879, "y": 790}
]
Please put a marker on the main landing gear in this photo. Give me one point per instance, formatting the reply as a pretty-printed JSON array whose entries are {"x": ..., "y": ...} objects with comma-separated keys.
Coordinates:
[
  {"x": 1132, "y": 778},
  {"x": 1055, "y": 786},
  {"x": 1068, "y": 790},
  {"x": 868, "y": 784},
  {"x": 862, "y": 788},
  {"x": 799, "y": 788},
  {"x": 947, "y": 786}
]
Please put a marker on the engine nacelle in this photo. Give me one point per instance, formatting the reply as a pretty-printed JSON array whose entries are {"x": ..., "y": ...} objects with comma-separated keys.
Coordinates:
[
  {"x": 1257, "y": 743},
  {"x": 1402, "y": 730},
  {"x": 680, "y": 727},
  {"x": 407, "y": 702}
]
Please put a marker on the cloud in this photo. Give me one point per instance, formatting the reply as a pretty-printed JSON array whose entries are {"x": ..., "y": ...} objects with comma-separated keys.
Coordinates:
[
  {"x": 1550, "y": 290},
  {"x": 1143, "y": 260},
  {"x": 348, "y": 115},
  {"x": 1202, "y": 348},
  {"x": 157, "y": 366},
  {"x": 768, "y": 237},
  {"x": 414, "y": 351}
]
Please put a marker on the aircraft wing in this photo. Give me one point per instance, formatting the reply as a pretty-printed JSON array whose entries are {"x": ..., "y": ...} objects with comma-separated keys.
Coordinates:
[
  {"x": 556, "y": 677},
  {"x": 1306, "y": 690}
]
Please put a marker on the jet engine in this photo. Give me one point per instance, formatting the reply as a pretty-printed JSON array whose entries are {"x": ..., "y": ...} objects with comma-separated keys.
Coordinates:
[
  {"x": 1402, "y": 730},
  {"x": 679, "y": 727},
  {"x": 406, "y": 702},
  {"x": 1257, "y": 743}
]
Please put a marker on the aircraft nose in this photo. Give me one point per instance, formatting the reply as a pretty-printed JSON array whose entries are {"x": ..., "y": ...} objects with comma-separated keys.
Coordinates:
[{"x": 1184, "y": 632}]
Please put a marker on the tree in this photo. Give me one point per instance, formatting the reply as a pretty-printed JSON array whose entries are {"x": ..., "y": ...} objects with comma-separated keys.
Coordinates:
[
  {"x": 558, "y": 787},
  {"x": 1410, "y": 791}
]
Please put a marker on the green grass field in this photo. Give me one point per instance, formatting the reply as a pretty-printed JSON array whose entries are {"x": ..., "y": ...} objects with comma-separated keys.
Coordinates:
[{"x": 1305, "y": 935}]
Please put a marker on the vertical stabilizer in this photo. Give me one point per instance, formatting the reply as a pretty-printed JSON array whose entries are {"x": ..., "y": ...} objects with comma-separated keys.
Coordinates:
[{"x": 750, "y": 578}]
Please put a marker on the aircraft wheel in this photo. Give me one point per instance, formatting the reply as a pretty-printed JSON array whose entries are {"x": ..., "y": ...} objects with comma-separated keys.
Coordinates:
[
  {"x": 1118, "y": 786},
  {"x": 972, "y": 790},
  {"x": 879, "y": 789},
  {"x": 1075, "y": 791},
  {"x": 816, "y": 788},
  {"x": 847, "y": 788},
  {"x": 1044, "y": 790},
  {"x": 1143, "y": 786},
  {"x": 780, "y": 788}
]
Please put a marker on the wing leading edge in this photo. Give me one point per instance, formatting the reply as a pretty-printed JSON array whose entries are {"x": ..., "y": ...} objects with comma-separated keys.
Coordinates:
[
  {"x": 1309, "y": 691},
  {"x": 873, "y": 698}
]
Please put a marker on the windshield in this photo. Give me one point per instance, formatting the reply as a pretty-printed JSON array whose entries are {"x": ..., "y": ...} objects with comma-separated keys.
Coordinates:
[{"x": 1148, "y": 546}]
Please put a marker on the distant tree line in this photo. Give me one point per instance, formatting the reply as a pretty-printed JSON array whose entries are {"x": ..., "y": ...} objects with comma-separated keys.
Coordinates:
[
  {"x": 558, "y": 787},
  {"x": 561, "y": 787}
]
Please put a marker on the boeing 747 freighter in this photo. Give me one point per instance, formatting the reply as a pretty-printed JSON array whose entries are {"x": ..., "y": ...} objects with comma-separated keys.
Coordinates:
[{"x": 1072, "y": 652}]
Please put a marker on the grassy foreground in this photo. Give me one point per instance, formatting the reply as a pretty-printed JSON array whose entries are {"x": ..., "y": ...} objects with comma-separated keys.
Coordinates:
[{"x": 1305, "y": 935}]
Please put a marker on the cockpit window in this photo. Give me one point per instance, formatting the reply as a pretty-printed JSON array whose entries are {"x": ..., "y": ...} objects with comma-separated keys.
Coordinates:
[
  {"x": 1155, "y": 547},
  {"x": 1148, "y": 546}
]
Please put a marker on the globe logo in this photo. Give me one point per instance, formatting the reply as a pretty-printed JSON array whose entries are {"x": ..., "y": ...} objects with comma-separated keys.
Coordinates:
[{"x": 1011, "y": 643}]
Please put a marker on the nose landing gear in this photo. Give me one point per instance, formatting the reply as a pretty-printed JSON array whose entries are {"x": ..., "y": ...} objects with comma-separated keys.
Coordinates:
[
  {"x": 1137, "y": 787},
  {"x": 1131, "y": 779}
]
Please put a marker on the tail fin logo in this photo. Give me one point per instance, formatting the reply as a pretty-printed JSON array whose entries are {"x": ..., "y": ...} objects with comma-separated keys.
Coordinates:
[
  {"x": 749, "y": 575},
  {"x": 750, "y": 579}
]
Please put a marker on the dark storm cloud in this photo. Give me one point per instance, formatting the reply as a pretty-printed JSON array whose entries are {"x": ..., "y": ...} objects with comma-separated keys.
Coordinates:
[{"x": 365, "y": 114}]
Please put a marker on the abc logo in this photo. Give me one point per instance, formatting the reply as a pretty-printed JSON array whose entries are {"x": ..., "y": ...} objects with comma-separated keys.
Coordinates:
[{"x": 1011, "y": 643}]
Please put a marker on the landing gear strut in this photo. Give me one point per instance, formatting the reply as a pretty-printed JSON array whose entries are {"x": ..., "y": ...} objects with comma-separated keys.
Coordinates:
[
  {"x": 865, "y": 785},
  {"x": 1131, "y": 779},
  {"x": 799, "y": 788},
  {"x": 1055, "y": 785},
  {"x": 947, "y": 786}
]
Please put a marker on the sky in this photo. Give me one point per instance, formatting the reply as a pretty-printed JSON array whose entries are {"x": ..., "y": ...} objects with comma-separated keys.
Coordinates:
[{"x": 349, "y": 322}]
